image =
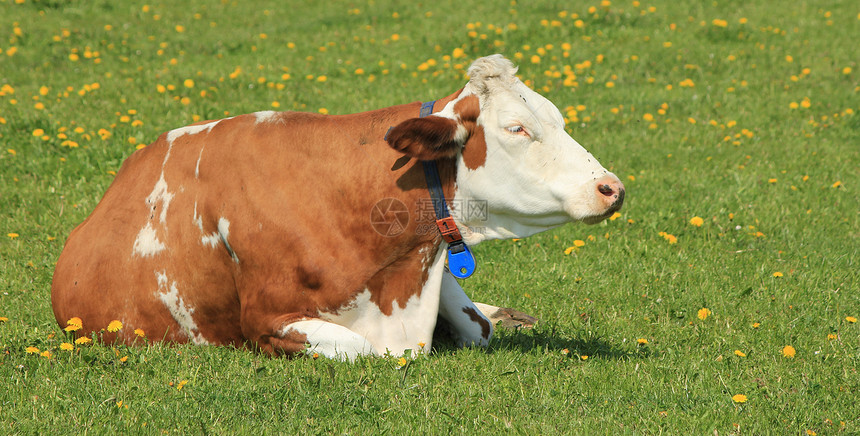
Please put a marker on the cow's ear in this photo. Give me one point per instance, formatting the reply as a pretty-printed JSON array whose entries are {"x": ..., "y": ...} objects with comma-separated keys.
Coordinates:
[{"x": 428, "y": 138}]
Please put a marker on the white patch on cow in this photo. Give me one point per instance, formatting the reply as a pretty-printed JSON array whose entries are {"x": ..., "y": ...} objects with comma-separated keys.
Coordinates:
[
  {"x": 160, "y": 194},
  {"x": 189, "y": 130},
  {"x": 211, "y": 240},
  {"x": 197, "y": 166},
  {"x": 181, "y": 312},
  {"x": 223, "y": 232},
  {"x": 461, "y": 135},
  {"x": 197, "y": 219},
  {"x": 406, "y": 327},
  {"x": 265, "y": 116},
  {"x": 330, "y": 340},
  {"x": 147, "y": 243}
]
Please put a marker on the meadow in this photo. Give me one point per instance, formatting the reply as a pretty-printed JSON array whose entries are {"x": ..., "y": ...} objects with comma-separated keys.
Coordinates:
[{"x": 723, "y": 299}]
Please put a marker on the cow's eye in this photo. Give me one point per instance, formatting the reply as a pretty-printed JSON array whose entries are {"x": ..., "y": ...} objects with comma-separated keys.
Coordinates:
[{"x": 517, "y": 130}]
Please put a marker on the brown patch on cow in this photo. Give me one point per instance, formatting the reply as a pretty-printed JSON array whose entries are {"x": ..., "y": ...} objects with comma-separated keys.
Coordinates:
[
  {"x": 475, "y": 149},
  {"x": 468, "y": 109},
  {"x": 476, "y": 317}
]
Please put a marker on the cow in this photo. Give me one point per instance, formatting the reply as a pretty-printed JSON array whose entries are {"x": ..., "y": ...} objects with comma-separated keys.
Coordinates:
[{"x": 295, "y": 233}]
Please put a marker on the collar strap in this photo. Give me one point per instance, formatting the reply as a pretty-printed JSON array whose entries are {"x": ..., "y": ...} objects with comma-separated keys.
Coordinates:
[{"x": 461, "y": 263}]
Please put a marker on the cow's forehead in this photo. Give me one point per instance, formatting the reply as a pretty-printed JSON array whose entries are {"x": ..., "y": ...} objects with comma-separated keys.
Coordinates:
[{"x": 516, "y": 100}]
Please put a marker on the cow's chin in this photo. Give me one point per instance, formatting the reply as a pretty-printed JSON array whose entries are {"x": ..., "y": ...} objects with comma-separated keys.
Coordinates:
[
  {"x": 589, "y": 215},
  {"x": 597, "y": 218}
]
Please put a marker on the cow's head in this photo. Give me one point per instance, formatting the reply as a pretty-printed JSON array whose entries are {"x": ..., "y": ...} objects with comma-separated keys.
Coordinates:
[{"x": 518, "y": 172}]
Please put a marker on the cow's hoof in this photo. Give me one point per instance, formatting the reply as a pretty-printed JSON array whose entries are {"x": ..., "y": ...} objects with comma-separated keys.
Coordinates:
[{"x": 506, "y": 317}]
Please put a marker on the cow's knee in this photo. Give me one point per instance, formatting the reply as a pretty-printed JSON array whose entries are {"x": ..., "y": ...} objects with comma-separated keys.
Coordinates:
[
  {"x": 468, "y": 325},
  {"x": 314, "y": 336}
]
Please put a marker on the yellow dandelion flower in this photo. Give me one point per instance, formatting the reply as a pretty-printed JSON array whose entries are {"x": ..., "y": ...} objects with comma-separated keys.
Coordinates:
[
  {"x": 846, "y": 70},
  {"x": 697, "y": 221},
  {"x": 123, "y": 359},
  {"x": 703, "y": 313},
  {"x": 83, "y": 340},
  {"x": 65, "y": 346},
  {"x": 32, "y": 350},
  {"x": 777, "y": 274},
  {"x": 181, "y": 385},
  {"x": 583, "y": 357},
  {"x": 188, "y": 83},
  {"x": 569, "y": 250},
  {"x": 739, "y": 398},
  {"x": 836, "y": 185},
  {"x": 179, "y": 28},
  {"x": 139, "y": 332},
  {"x": 3, "y": 319},
  {"x": 421, "y": 344},
  {"x": 12, "y": 235},
  {"x": 75, "y": 321},
  {"x": 642, "y": 341},
  {"x": 578, "y": 243},
  {"x": 832, "y": 336},
  {"x": 401, "y": 362},
  {"x": 788, "y": 351},
  {"x": 851, "y": 319},
  {"x": 756, "y": 325},
  {"x": 114, "y": 326},
  {"x": 46, "y": 354},
  {"x": 740, "y": 353}
]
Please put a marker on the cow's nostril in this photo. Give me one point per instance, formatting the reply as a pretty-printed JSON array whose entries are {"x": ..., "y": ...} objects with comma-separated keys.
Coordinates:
[{"x": 605, "y": 190}]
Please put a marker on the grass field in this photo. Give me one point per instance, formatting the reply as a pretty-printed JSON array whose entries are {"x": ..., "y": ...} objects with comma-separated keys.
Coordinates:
[{"x": 723, "y": 300}]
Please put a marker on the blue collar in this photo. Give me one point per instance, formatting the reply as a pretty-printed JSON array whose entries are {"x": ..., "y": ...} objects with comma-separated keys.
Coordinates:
[{"x": 461, "y": 263}]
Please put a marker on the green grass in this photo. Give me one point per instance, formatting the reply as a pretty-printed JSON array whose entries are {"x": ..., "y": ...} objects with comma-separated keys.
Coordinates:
[{"x": 776, "y": 187}]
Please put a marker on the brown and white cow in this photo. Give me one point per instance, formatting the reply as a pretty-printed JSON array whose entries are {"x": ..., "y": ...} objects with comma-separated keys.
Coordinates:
[{"x": 264, "y": 229}]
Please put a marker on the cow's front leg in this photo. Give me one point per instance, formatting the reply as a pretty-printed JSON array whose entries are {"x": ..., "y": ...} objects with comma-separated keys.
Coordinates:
[
  {"x": 468, "y": 324},
  {"x": 315, "y": 336}
]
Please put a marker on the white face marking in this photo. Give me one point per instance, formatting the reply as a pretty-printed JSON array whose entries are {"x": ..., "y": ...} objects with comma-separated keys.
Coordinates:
[
  {"x": 535, "y": 176},
  {"x": 265, "y": 116},
  {"x": 169, "y": 296},
  {"x": 147, "y": 243},
  {"x": 406, "y": 327}
]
